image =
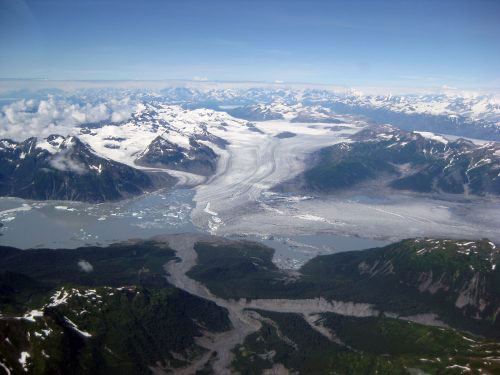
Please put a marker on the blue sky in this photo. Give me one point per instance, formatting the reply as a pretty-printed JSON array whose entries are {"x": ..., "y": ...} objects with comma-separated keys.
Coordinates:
[{"x": 410, "y": 43}]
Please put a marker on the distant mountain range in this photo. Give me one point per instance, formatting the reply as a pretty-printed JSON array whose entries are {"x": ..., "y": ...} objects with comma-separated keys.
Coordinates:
[
  {"x": 281, "y": 111},
  {"x": 418, "y": 161},
  {"x": 467, "y": 115},
  {"x": 462, "y": 114},
  {"x": 472, "y": 106}
]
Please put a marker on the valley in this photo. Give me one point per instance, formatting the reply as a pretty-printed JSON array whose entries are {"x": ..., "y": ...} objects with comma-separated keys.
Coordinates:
[
  {"x": 249, "y": 187},
  {"x": 240, "y": 200},
  {"x": 289, "y": 231},
  {"x": 233, "y": 274},
  {"x": 211, "y": 314}
]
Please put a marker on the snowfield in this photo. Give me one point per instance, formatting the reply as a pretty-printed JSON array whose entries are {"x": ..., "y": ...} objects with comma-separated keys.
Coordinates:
[{"x": 126, "y": 141}]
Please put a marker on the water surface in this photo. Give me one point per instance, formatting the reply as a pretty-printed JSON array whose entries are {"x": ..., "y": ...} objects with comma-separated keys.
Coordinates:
[
  {"x": 62, "y": 224},
  {"x": 58, "y": 224}
]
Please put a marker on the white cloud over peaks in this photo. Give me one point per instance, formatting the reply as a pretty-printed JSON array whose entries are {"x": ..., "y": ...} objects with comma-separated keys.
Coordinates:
[
  {"x": 41, "y": 118},
  {"x": 85, "y": 266},
  {"x": 65, "y": 163}
]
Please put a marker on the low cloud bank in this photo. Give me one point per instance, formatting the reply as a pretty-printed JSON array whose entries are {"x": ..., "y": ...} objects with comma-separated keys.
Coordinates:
[
  {"x": 41, "y": 118},
  {"x": 64, "y": 162},
  {"x": 85, "y": 266}
]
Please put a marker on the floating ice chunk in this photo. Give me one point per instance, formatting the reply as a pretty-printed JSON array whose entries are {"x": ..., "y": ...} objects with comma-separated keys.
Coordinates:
[
  {"x": 64, "y": 208},
  {"x": 310, "y": 217},
  {"x": 208, "y": 211}
]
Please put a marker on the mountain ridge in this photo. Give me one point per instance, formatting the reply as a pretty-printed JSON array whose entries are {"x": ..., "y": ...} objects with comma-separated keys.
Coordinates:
[
  {"x": 418, "y": 161},
  {"x": 64, "y": 168}
]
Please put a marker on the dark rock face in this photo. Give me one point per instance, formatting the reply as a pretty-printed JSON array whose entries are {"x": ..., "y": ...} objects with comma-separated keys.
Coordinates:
[
  {"x": 284, "y": 135},
  {"x": 198, "y": 159},
  {"x": 64, "y": 168},
  {"x": 315, "y": 119}
]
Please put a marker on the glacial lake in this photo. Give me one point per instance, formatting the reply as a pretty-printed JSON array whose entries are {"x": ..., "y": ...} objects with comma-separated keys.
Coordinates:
[
  {"x": 57, "y": 224},
  {"x": 62, "y": 224}
]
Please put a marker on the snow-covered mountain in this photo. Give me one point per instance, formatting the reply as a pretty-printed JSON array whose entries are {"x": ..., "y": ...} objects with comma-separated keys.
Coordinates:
[
  {"x": 65, "y": 168},
  {"x": 469, "y": 105},
  {"x": 472, "y": 107},
  {"x": 147, "y": 134},
  {"x": 468, "y": 115},
  {"x": 460, "y": 114},
  {"x": 161, "y": 153},
  {"x": 280, "y": 110},
  {"x": 165, "y": 136},
  {"x": 115, "y": 160}
]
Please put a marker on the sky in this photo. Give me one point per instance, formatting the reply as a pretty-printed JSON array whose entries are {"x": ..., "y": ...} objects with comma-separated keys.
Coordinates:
[{"x": 445, "y": 43}]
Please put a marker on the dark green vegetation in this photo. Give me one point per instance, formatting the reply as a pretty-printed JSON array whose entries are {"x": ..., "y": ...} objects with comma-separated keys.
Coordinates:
[
  {"x": 237, "y": 269},
  {"x": 362, "y": 346},
  {"x": 457, "y": 280},
  {"x": 72, "y": 172},
  {"x": 25, "y": 273},
  {"x": 404, "y": 161},
  {"x": 98, "y": 311},
  {"x": 110, "y": 310},
  {"x": 286, "y": 339}
]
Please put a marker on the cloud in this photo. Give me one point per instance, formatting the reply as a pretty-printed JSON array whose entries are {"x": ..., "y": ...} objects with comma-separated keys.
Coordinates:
[
  {"x": 85, "y": 266},
  {"x": 64, "y": 162},
  {"x": 54, "y": 115}
]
